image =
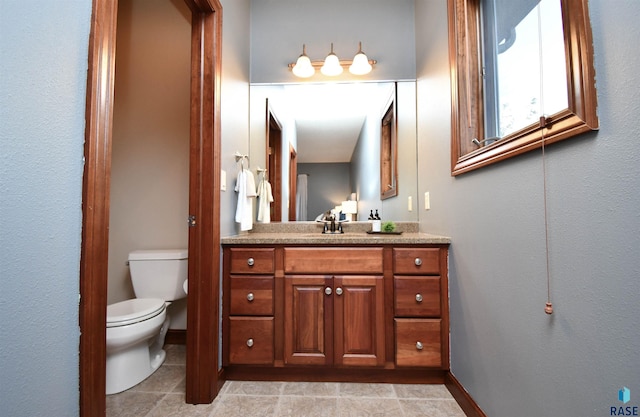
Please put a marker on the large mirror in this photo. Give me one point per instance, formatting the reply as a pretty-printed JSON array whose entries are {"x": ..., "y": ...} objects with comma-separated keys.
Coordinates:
[{"x": 321, "y": 145}]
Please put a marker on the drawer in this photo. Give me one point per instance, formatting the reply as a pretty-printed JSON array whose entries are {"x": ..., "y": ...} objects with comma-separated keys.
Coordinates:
[
  {"x": 417, "y": 296},
  {"x": 251, "y": 340},
  {"x": 252, "y": 260},
  {"x": 416, "y": 261},
  {"x": 334, "y": 260},
  {"x": 251, "y": 296},
  {"x": 418, "y": 342}
]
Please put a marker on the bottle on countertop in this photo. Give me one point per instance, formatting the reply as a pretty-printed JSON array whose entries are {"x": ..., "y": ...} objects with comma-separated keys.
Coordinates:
[
  {"x": 371, "y": 216},
  {"x": 376, "y": 223}
]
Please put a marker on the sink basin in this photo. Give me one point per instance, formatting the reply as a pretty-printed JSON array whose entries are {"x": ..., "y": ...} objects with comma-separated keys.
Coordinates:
[{"x": 320, "y": 234}]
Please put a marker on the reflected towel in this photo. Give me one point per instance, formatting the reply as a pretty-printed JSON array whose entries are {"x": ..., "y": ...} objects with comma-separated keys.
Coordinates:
[
  {"x": 265, "y": 198},
  {"x": 246, "y": 189}
]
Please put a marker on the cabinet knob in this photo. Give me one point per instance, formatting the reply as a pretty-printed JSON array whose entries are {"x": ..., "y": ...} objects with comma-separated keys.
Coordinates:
[
  {"x": 419, "y": 346},
  {"x": 339, "y": 291},
  {"x": 417, "y": 261},
  {"x": 419, "y": 297},
  {"x": 250, "y": 261},
  {"x": 327, "y": 291},
  {"x": 250, "y": 342},
  {"x": 250, "y": 297}
]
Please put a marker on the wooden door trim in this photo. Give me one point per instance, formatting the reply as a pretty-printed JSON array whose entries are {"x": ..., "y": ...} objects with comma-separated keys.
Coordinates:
[
  {"x": 95, "y": 208},
  {"x": 202, "y": 383},
  {"x": 293, "y": 186},
  {"x": 274, "y": 161},
  {"x": 96, "y": 205}
]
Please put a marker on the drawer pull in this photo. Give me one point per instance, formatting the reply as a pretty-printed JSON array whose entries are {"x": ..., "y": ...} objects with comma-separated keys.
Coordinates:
[
  {"x": 339, "y": 291},
  {"x": 250, "y": 342},
  {"x": 417, "y": 261},
  {"x": 327, "y": 291},
  {"x": 418, "y": 345},
  {"x": 419, "y": 298},
  {"x": 250, "y": 297},
  {"x": 250, "y": 261}
]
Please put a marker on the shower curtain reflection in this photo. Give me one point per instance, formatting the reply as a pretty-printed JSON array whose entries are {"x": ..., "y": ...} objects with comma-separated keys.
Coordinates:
[{"x": 301, "y": 198}]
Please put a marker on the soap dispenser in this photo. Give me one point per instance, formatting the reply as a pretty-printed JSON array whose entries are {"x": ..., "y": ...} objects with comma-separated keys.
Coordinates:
[{"x": 376, "y": 223}]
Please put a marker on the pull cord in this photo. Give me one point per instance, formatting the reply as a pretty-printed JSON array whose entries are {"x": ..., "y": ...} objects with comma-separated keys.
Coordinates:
[{"x": 548, "y": 308}]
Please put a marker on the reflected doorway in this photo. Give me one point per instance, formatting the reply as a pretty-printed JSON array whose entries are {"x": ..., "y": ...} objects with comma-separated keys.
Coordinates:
[
  {"x": 293, "y": 183},
  {"x": 274, "y": 162}
]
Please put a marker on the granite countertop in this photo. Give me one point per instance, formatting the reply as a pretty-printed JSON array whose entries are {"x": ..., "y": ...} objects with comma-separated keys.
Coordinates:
[{"x": 310, "y": 233}]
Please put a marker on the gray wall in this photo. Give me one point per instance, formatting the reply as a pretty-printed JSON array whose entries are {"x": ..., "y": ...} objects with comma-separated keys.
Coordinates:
[
  {"x": 513, "y": 358},
  {"x": 280, "y": 27},
  {"x": 43, "y": 62},
  {"x": 328, "y": 186}
]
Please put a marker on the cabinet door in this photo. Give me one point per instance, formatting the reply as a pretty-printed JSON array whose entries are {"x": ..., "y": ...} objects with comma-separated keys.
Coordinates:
[
  {"x": 308, "y": 316},
  {"x": 359, "y": 320}
]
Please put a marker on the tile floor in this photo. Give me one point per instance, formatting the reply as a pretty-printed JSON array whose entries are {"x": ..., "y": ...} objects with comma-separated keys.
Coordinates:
[{"x": 162, "y": 395}]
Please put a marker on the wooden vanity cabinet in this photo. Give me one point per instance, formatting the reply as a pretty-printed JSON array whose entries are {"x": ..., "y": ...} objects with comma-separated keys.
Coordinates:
[{"x": 323, "y": 312}]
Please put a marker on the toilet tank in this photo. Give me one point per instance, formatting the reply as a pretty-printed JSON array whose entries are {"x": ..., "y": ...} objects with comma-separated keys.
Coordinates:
[{"x": 159, "y": 273}]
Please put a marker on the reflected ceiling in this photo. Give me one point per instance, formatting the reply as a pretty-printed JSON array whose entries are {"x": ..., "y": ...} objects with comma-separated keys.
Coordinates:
[{"x": 329, "y": 117}]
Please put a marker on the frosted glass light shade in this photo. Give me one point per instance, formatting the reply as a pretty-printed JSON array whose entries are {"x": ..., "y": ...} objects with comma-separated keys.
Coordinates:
[
  {"x": 360, "y": 64},
  {"x": 331, "y": 65},
  {"x": 303, "y": 67}
]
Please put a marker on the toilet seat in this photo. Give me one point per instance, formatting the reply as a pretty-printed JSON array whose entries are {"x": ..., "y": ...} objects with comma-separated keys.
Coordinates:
[{"x": 132, "y": 311}]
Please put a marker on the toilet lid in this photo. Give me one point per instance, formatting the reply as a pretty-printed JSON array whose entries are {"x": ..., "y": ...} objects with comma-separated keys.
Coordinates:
[{"x": 133, "y": 311}]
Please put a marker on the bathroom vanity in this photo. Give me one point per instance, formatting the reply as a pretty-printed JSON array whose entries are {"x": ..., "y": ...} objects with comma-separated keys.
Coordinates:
[{"x": 350, "y": 307}]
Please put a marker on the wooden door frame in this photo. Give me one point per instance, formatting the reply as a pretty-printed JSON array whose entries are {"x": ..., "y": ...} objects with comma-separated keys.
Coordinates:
[
  {"x": 274, "y": 161},
  {"x": 293, "y": 186},
  {"x": 202, "y": 325}
]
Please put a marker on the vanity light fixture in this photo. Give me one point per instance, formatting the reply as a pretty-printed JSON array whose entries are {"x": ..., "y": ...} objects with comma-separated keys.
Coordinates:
[{"x": 332, "y": 65}]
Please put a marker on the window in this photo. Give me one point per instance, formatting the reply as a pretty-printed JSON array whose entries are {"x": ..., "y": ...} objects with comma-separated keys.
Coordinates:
[{"x": 522, "y": 71}]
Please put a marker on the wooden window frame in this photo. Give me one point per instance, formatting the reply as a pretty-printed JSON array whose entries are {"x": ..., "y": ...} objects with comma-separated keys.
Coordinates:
[{"x": 467, "y": 112}]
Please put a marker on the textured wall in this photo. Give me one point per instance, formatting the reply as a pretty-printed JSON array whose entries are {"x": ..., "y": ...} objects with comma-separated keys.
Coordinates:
[
  {"x": 511, "y": 357},
  {"x": 43, "y": 62}
]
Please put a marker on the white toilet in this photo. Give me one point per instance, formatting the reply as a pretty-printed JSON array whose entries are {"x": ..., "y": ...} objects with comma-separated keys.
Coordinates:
[{"x": 136, "y": 328}]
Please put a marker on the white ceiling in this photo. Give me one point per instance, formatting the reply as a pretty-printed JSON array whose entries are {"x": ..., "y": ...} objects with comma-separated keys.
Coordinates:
[{"x": 329, "y": 117}]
